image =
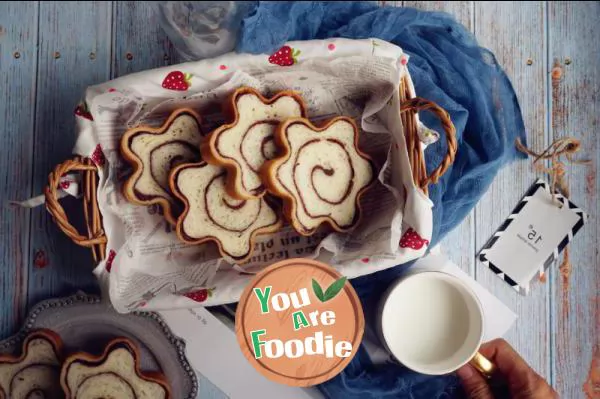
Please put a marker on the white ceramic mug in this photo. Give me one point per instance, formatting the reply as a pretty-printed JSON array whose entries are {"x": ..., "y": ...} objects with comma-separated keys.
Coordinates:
[{"x": 432, "y": 323}]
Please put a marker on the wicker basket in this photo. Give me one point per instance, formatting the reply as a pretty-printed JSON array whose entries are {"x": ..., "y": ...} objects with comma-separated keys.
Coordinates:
[{"x": 95, "y": 239}]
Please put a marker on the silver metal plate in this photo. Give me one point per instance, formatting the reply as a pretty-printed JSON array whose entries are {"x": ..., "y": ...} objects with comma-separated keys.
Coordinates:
[{"x": 86, "y": 324}]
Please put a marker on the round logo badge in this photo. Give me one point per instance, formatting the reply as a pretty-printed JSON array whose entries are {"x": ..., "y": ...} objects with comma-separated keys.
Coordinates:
[{"x": 299, "y": 322}]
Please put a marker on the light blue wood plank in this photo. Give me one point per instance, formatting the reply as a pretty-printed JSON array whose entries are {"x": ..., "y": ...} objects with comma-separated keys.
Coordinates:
[
  {"x": 18, "y": 37},
  {"x": 461, "y": 10},
  {"x": 459, "y": 244},
  {"x": 515, "y": 32},
  {"x": 140, "y": 43},
  {"x": 69, "y": 33},
  {"x": 575, "y": 90}
]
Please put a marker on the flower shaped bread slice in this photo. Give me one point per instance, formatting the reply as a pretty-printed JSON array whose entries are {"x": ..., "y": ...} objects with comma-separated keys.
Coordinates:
[
  {"x": 321, "y": 174},
  {"x": 211, "y": 214},
  {"x": 153, "y": 152},
  {"x": 114, "y": 374},
  {"x": 36, "y": 372},
  {"x": 243, "y": 145}
]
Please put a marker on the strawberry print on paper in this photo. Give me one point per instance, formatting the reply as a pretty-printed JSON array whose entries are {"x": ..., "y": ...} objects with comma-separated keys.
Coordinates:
[
  {"x": 65, "y": 184},
  {"x": 98, "y": 156},
  {"x": 412, "y": 239},
  {"x": 109, "y": 260},
  {"x": 178, "y": 81},
  {"x": 285, "y": 56},
  {"x": 83, "y": 111},
  {"x": 200, "y": 295}
]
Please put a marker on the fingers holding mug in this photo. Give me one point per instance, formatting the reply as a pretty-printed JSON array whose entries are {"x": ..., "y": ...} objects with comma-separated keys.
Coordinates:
[
  {"x": 474, "y": 383},
  {"x": 512, "y": 376}
]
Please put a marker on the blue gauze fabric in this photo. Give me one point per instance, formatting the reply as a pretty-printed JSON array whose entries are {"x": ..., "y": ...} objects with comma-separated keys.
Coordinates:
[{"x": 448, "y": 67}]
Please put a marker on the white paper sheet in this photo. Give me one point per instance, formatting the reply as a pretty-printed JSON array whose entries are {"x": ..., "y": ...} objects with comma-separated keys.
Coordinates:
[{"x": 213, "y": 351}]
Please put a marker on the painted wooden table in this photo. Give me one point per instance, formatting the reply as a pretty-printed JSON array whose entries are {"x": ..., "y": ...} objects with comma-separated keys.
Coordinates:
[{"x": 51, "y": 51}]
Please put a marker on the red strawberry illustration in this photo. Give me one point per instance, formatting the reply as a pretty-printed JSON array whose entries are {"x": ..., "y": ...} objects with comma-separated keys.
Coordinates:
[
  {"x": 98, "y": 156},
  {"x": 177, "y": 80},
  {"x": 65, "y": 184},
  {"x": 411, "y": 239},
  {"x": 285, "y": 56},
  {"x": 40, "y": 259},
  {"x": 109, "y": 260},
  {"x": 83, "y": 111},
  {"x": 200, "y": 295}
]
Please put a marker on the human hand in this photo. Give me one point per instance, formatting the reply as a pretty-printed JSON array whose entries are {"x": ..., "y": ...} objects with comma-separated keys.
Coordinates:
[{"x": 521, "y": 381}]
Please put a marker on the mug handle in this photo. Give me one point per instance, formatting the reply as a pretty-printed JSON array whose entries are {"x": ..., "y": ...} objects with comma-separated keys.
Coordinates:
[{"x": 483, "y": 365}]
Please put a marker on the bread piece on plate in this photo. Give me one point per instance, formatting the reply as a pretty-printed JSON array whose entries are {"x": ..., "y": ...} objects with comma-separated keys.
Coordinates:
[
  {"x": 114, "y": 374},
  {"x": 243, "y": 145},
  {"x": 320, "y": 174},
  {"x": 153, "y": 152},
  {"x": 211, "y": 214},
  {"x": 36, "y": 373}
]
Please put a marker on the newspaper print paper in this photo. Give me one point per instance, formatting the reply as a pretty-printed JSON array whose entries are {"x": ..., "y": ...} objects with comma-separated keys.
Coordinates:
[{"x": 149, "y": 268}]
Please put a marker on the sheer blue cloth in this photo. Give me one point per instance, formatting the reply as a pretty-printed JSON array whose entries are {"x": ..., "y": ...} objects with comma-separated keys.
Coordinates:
[{"x": 448, "y": 67}]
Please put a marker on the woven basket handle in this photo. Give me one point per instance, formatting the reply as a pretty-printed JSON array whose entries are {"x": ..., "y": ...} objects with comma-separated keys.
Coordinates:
[
  {"x": 420, "y": 104},
  {"x": 95, "y": 237}
]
